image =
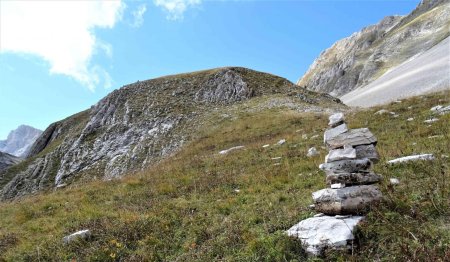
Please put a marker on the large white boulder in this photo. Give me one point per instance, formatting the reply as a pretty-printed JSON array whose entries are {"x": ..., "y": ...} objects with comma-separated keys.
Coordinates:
[{"x": 318, "y": 233}]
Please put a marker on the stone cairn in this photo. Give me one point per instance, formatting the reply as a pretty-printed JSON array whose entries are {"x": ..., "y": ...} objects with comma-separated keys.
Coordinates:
[{"x": 348, "y": 173}]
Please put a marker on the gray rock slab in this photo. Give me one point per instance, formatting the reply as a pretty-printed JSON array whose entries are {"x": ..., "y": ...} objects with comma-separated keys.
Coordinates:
[
  {"x": 367, "y": 151},
  {"x": 353, "y": 178},
  {"x": 319, "y": 233},
  {"x": 348, "y": 200},
  {"x": 336, "y": 119},
  {"x": 334, "y": 132},
  {"x": 353, "y": 137},
  {"x": 347, "y": 166},
  {"x": 347, "y": 152}
]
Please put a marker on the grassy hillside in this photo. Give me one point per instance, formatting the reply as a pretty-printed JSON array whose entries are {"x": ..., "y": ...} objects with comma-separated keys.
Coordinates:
[{"x": 202, "y": 206}]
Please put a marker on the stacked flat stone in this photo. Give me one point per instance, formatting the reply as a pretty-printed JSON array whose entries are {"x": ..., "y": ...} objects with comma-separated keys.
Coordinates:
[
  {"x": 348, "y": 166},
  {"x": 351, "y": 189}
]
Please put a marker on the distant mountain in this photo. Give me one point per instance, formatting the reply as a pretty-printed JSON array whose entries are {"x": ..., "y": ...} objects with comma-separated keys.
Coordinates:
[
  {"x": 7, "y": 160},
  {"x": 142, "y": 123},
  {"x": 20, "y": 140},
  {"x": 356, "y": 61}
]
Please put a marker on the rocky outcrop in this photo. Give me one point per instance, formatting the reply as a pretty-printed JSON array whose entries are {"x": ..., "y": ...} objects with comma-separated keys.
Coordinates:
[
  {"x": 7, "y": 160},
  {"x": 351, "y": 192},
  {"x": 20, "y": 140},
  {"x": 359, "y": 59},
  {"x": 138, "y": 125}
]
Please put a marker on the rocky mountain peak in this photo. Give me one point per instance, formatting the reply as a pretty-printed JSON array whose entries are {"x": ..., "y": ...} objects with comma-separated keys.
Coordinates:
[{"x": 19, "y": 140}]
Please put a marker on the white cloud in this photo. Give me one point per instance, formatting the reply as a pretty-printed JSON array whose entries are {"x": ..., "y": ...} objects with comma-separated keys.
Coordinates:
[
  {"x": 175, "y": 8},
  {"x": 61, "y": 33},
  {"x": 138, "y": 15}
]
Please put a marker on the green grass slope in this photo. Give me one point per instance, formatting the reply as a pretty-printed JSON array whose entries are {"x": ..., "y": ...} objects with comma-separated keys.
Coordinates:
[{"x": 202, "y": 206}]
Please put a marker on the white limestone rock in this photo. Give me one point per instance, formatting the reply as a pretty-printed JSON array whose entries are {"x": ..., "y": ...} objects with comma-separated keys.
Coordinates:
[
  {"x": 319, "y": 233},
  {"x": 224, "y": 152},
  {"x": 347, "y": 152},
  {"x": 412, "y": 158},
  {"x": 432, "y": 120},
  {"x": 334, "y": 132},
  {"x": 337, "y": 185},
  {"x": 348, "y": 200},
  {"x": 82, "y": 234},
  {"x": 381, "y": 112},
  {"x": 336, "y": 119},
  {"x": 394, "y": 181},
  {"x": 282, "y": 141},
  {"x": 444, "y": 110},
  {"x": 312, "y": 152},
  {"x": 436, "y": 108}
]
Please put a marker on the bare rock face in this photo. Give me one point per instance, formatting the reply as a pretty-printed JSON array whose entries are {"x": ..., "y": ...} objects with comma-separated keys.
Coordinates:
[
  {"x": 359, "y": 59},
  {"x": 20, "y": 140},
  {"x": 228, "y": 86},
  {"x": 348, "y": 200}
]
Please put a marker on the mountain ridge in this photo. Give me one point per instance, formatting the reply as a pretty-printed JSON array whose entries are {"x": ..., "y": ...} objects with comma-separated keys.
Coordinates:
[
  {"x": 359, "y": 59},
  {"x": 141, "y": 123}
]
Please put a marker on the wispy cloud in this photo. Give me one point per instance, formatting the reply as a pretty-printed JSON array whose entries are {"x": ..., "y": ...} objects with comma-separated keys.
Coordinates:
[
  {"x": 61, "y": 33},
  {"x": 175, "y": 8},
  {"x": 138, "y": 15}
]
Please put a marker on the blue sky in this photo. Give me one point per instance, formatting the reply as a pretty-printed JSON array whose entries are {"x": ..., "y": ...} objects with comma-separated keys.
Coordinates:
[{"x": 59, "y": 58}]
